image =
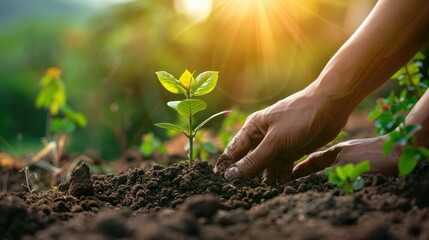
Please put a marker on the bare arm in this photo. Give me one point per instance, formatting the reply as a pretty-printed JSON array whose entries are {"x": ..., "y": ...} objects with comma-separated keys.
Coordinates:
[
  {"x": 273, "y": 138},
  {"x": 393, "y": 32}
]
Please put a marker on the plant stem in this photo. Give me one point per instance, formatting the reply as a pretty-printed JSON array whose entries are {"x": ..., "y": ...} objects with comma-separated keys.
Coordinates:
[
  {"x": 410, "y": 77},
  {"x": 191, "y": 143},
  {"x": 48, "y": 125}
]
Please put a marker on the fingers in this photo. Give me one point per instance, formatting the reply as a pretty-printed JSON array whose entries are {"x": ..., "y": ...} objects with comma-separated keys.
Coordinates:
[
  {"x": 271, "y": 173},
  {"x": 316, "y": 162},
  {"x": 246, "y": 139},
  {"x": 254, "y": 162},
  {"x": 280, "y": 170}
]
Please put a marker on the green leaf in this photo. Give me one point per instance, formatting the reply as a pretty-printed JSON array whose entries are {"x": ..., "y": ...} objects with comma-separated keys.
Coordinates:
[
  {"x": 342, "y": 172},
  {"x": 376, "y": 113},
  {"x": 52, "y": 96},
  {"x": 209, "y": 147},
  {"x": 411, "y": 129},
  {"x": 46, "y": 80},
  {"x": 360, "y": 168},
  {"x": 146, "y": 148},
  {"x": 424, "y": 152},
  {"x": 62, "y": 125},
  {"x": 173, "y": 104},
  {"x": 208, "y": 119},
  {"x": 204, "y": 83},
  {"x": 190, "y": 107},
  {"x": 170, "y": 126},
  {"x": 77, "y": 117},
  {"x": 398, "y": 73},
  {"x": 388, "y": 146},
  {"x": 186, "y": 80},
  {"x": 150, "y": 143},
  {"x": 419, "y": 56},
  {"x": 332, "y": 176},
  {"x": 170, "y": 83},
  {"x": 407, "y": 161},
  {"x": 204, "y": 155}
]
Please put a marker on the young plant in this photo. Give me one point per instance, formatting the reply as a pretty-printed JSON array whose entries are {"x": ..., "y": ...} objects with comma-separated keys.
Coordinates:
[
  {"x": 389, "y": 115},
  {"x": 348, "y": 176},
  {"x": 53, "y": 98},
  {"x": 60, "y": 117},
  {"x": 190, "y": 87}
]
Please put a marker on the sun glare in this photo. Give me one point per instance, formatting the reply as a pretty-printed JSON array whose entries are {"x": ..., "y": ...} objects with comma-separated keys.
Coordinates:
[
  {"x": 195, "y": 10},
  {"x": 265, "y": 35},
  {"x": 264, "y": 42}
]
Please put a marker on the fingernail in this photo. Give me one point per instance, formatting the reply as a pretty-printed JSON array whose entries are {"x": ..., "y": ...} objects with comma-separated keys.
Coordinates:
[{"x": 232, "y": 173}]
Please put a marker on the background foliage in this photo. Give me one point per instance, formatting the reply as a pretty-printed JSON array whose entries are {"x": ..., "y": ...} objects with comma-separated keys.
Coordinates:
[{"x": 109, "y": 51}]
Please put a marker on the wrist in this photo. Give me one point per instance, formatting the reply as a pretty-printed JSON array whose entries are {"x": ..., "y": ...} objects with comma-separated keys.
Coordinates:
[{"x": 333, "y": 97}]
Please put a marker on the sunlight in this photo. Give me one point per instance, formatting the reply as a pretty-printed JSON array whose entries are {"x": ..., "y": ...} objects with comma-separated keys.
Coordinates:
[
  {"x": 265, "y": 35},
  {"x": 195, "y": 10}
]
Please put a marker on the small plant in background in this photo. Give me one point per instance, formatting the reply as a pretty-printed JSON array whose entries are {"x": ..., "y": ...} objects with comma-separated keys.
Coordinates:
[
  {"x": 61, "y": 119},
  {"x": 389, "y": 115},
  {"x": 190, "y": 87},
  {"x": 150, "y": 144},
  {"x": 53, "y": 98},
  {"x": 348, "y": 176}
]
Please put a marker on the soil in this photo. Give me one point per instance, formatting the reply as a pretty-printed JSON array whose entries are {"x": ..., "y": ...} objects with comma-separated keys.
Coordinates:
[{"x": 175, "y": 202}]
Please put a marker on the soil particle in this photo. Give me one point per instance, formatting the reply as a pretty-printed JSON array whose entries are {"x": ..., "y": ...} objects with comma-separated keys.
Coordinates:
[
  {"x": 80, "y": 181},
  {"x": 202, "y": 206}
]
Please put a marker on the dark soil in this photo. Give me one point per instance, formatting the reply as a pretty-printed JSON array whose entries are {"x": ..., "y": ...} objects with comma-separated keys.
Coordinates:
[{"x": 177, "y": 203}]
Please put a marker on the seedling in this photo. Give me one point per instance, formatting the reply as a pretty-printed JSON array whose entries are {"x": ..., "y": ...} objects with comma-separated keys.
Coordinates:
[
  {"x": 53, "y": 98},
  {"x": 348, "y": 176},
  {"x": 61, "y": 118},
  {"x": 190, "y": 88},
  {"x": 389, "y": 115}
]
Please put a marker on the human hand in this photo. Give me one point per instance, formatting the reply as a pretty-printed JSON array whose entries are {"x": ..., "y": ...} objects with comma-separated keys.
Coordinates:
[
  {"x": 352, "y": 151},
  {"x": 272, "y": 139}
]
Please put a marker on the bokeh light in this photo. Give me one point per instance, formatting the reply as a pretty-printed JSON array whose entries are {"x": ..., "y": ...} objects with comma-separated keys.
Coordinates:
[{"x": 195, "y": 10}]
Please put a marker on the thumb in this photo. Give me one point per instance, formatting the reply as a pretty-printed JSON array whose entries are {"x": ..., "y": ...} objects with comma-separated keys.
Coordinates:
[
  {"x": 246, "y": 139},
  {"x": 253, "y": 163}
]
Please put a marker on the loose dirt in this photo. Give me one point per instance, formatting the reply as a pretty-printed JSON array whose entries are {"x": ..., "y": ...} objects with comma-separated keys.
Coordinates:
[{"x": 177, "y": 203}]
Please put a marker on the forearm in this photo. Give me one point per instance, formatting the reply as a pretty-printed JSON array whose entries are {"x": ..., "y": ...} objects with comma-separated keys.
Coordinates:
[{"x": 393, "y": 32}]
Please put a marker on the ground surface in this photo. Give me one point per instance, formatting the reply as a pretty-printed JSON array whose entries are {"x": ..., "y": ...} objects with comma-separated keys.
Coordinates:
[{"x": 179, "y": 203}]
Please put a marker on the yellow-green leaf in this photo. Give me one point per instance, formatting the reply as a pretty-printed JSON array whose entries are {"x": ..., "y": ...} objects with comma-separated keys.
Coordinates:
[
  {"x": 204, "y": 83},
  {"x": 170, "y": 126},
  {"x": 170, "y": 83},
  {"x": 186, "y": 80},
  {"x": 190, "y": 107}
]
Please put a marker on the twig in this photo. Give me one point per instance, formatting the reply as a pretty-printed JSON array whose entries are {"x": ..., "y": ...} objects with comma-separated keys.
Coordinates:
[{"x": 27, "y": 179}]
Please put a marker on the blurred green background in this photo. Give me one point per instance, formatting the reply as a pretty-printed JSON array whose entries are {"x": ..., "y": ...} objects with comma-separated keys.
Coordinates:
[{"x": 108, "y": 51}]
